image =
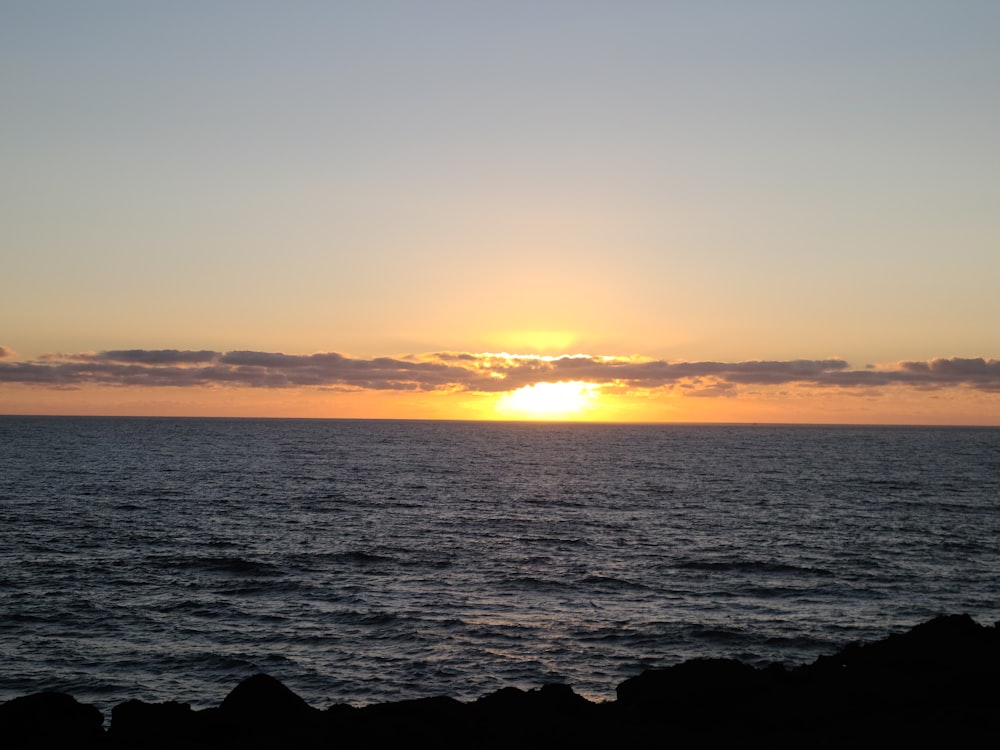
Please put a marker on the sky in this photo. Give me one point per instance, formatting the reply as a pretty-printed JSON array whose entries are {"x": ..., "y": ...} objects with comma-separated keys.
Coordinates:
[{"x": 711, "y": 210}]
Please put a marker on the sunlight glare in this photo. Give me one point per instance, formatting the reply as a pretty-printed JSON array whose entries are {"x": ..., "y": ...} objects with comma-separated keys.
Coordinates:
[{"x": 564, "y": 400}]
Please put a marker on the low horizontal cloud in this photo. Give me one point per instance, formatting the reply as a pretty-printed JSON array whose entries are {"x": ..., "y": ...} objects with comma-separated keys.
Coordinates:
[{"x": 464, "y": 371}]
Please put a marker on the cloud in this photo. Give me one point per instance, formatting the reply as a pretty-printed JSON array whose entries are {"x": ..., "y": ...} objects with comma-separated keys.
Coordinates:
[
  {"x": 138, "y": 356},
  {"x": 6, "y": 353},
  {"x": 483, "y": 373}
]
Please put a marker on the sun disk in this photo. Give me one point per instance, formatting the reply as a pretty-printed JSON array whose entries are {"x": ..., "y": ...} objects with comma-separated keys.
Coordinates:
[{"x": 562, "y": 400}]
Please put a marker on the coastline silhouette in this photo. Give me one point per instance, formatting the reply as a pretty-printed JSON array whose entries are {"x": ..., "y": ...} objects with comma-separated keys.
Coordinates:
[{"x": 938, "y": 681}]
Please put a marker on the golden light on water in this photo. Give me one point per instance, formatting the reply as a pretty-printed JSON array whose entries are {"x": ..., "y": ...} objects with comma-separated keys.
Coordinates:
[{"x": 572, "y": 399}]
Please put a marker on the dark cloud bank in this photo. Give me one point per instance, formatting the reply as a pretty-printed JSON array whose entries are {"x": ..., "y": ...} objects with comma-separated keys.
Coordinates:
[{"x": 476, "y": 372}]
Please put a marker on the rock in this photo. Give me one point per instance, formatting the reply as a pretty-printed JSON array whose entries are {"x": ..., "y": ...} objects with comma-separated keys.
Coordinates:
[
  {"x": 552, "y": 715},
  {"x": 50, "y": 719},
  {"x": 438, "y": 721},
  {"x": 263, "y": 712},
  {"x": 138, "y": 724},
  {"x": 689, "y": 682},
  {"x": 713, "y": 698},
  {"x": 948, "y": 643},
  {"x": 938, "y": 682},
  {"x": 262, "y": 698}
]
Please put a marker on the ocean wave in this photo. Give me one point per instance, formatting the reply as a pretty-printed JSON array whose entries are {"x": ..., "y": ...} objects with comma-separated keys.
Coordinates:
[
  {"x": 613, "y": 582},
  {"x": 753, "y": 566},
  {"x": 223, "y": 564}
]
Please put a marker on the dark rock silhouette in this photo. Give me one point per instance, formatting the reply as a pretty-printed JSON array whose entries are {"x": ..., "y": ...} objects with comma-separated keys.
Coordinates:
[
  {"x": 552, "y": 716},
  {"x": 49, "y": 719},
  {"x": 420, "y": 722},
  {"x": 940, "y": 679},
  {"x": 154, "y": 724},
  {"x": 947, "y": 643},
  {"x": 259, "y": 712},
  {"x": 937, "y": 683},
  {"x": 262, "y": 712}
]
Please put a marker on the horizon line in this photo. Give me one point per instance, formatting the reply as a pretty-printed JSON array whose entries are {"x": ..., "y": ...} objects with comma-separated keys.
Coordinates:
[{"x": 560, "y": 422}]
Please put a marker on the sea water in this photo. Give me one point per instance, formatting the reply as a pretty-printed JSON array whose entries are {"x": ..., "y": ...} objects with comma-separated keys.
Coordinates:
[{"x": 370, "y": 561}]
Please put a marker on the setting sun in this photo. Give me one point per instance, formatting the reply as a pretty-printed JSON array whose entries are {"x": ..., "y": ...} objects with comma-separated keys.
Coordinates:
[{"x": 564, "y": 400}]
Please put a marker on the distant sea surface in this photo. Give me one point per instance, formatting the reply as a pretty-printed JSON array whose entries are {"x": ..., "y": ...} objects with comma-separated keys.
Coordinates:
[{"x": 370, "y": 561}]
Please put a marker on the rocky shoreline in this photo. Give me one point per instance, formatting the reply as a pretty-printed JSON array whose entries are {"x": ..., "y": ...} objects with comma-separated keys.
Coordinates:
[{"x": 938, "y": 682}]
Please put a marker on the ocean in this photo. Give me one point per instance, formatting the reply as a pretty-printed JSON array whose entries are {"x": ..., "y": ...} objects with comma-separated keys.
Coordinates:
[{"x": 370, "y": 561}]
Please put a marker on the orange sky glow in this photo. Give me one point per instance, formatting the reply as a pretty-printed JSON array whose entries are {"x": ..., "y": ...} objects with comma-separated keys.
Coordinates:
[
  {"x": 500, "y": 387},
  {"x": 753, "y": 211}
]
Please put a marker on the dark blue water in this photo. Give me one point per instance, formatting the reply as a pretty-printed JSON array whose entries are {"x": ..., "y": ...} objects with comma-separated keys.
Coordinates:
[{"x": 368, "y": 561}]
